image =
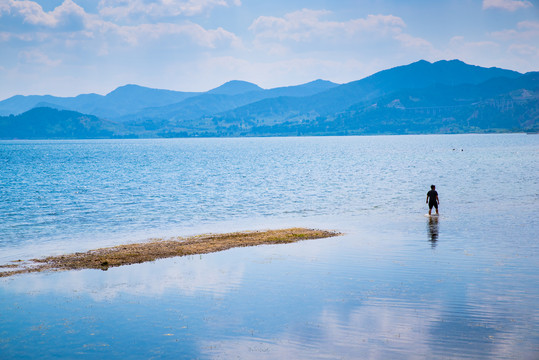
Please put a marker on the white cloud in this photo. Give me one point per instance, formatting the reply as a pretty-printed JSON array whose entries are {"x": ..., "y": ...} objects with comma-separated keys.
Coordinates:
[
  {"x": 68, "y": 14},
  {"x": 4, "y": 6},
  {"x": 35, "y": 56},
  {"x": 459, "y": 42},
  {"x": 187, "y": 275},
  {"x": 524, "y": 50},
  {"x": 509, "y": 5},
  {"x": 79, "y": 26},
  {"x": 159, "y": 8},
  {"x": 197, "y": 34},
  {"x": 525, "y": 31},
  {"x": 7, "y": 36},
  {"x": 298, "y": 26},
  {"x": 529, "y": 25},
  {"x": 386, "y": 23},
  {"x": 402, "y": 330},
  {"x": 307, "y": 25},
  {"x": 473, "y": 52},
  {"x": 511, "y": 49},
  {"x": 410, "y": 41},
  {"x": 521, "y": 45},
  {"x": 32, "y": 13}
]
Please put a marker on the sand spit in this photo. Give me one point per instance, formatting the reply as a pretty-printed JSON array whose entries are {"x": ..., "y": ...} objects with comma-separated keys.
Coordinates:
[{"x": 160, "y": 248}]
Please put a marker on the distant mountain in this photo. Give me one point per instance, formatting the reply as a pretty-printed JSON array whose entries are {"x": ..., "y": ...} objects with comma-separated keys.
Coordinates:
[
  {"x": 308, "y": 89},
  {"x": 417, "y": 75},
  {"x": 193, "y": 108},
  {"x": 124, "y": 100},
  {"x": 235, "y": 87},
  {"x": 47, "y": 123},
  {"x": 226, "y": 97},
  {"x": 18, "y": 104},
  {"x": 133, "y": 102},
  {"x": 422, "y": 97},
  {"x": 142, "y": 97},
  {"x": 497, "y": 105}
]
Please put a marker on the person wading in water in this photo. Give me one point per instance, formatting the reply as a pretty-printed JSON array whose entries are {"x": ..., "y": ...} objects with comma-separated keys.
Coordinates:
[{"x": 432, "y": 199}]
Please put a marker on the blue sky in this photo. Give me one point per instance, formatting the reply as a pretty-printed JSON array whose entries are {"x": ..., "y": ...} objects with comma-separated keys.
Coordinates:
[{"x": 69, "y": 47}]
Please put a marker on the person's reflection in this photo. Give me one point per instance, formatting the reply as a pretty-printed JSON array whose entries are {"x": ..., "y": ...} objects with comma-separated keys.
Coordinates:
[{"x": 433, "y": 230}]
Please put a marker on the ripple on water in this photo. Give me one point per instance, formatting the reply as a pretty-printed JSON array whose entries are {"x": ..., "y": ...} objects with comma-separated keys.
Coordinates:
[{"x": 395, "y": 286}]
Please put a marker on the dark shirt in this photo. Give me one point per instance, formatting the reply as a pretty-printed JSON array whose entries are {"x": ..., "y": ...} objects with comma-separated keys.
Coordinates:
[{"x": 432, "y": 195}]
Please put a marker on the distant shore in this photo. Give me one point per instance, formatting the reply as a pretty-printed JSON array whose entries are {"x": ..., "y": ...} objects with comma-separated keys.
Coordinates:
[{"x": 160, "y": 248}]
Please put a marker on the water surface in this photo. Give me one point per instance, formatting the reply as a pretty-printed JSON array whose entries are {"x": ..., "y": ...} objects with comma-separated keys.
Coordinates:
[{"x": 398, "y": 284}]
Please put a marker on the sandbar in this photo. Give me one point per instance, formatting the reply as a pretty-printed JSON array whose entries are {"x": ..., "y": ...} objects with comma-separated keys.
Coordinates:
[{"x": 154, "y": 249}]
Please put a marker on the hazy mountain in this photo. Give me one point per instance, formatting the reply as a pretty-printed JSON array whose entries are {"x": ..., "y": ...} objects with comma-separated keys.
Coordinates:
[
  {"x": 133, "y": 102},
  {"x": 499, "y": 104},
  {"x": 19, "y": 103},
  {"x": 308, "y": 89},
  {"x": 123, "y": 100},
  {"x": 134, "y": 97},
  {"x": 423, "y": 97},
  {"x": 192, "y": 108},
  {"x": 467, "y": 94},
  {"x": 241, "y": 87},
  {"x": 416, "y": 75},
  {"x": 47, "y": 123},
  {"x": 235, "y": 87},
  {"x": 226, "y": 97}
]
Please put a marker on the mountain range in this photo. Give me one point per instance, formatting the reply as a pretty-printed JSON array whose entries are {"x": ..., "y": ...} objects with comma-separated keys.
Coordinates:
[{"x": 422, "y": 97}]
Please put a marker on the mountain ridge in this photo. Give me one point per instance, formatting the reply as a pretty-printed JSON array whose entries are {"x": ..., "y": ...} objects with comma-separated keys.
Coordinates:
[
  {"x": 447, "y": 96},
  {"x": 49, "y": 123},
  {"x": 130, "y": 98},
  {"x": 235, "y": 87},
  {"x": 381, "y": 83}
]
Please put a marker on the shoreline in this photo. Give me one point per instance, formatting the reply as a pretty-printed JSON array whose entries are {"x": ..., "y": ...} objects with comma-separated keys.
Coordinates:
[{"x": 129, "y": 254}]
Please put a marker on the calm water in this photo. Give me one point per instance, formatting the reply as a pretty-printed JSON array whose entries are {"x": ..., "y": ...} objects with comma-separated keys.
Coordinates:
[{"x": 397, "y": 285}]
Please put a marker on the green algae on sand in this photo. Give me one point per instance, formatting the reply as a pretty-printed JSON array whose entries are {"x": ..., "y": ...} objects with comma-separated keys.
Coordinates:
[{"x": 159, "y": 248}]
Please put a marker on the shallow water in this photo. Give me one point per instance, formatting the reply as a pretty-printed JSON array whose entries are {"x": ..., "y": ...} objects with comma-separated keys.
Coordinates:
[{"x": 396, "y": 285}]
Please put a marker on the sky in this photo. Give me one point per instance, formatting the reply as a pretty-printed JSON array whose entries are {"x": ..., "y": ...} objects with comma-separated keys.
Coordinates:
[{"x": 70, "y": 47}]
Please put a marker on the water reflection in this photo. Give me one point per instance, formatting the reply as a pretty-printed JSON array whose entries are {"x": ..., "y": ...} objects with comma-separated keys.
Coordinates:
[
  {"x": 189, "y": 276},
  {"x": 433, "y": 230},
  {"x": 380, "y": 329},
  {"x": 358, "y": 296},
  {"x": 358, "y": 333}
]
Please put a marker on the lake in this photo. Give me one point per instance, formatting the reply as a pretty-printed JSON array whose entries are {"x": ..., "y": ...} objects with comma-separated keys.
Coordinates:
[{"x": 396, "y": 285}]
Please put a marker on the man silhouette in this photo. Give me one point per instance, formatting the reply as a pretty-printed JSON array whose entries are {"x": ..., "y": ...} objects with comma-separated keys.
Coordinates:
[{"x": 432, "y": 199}]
